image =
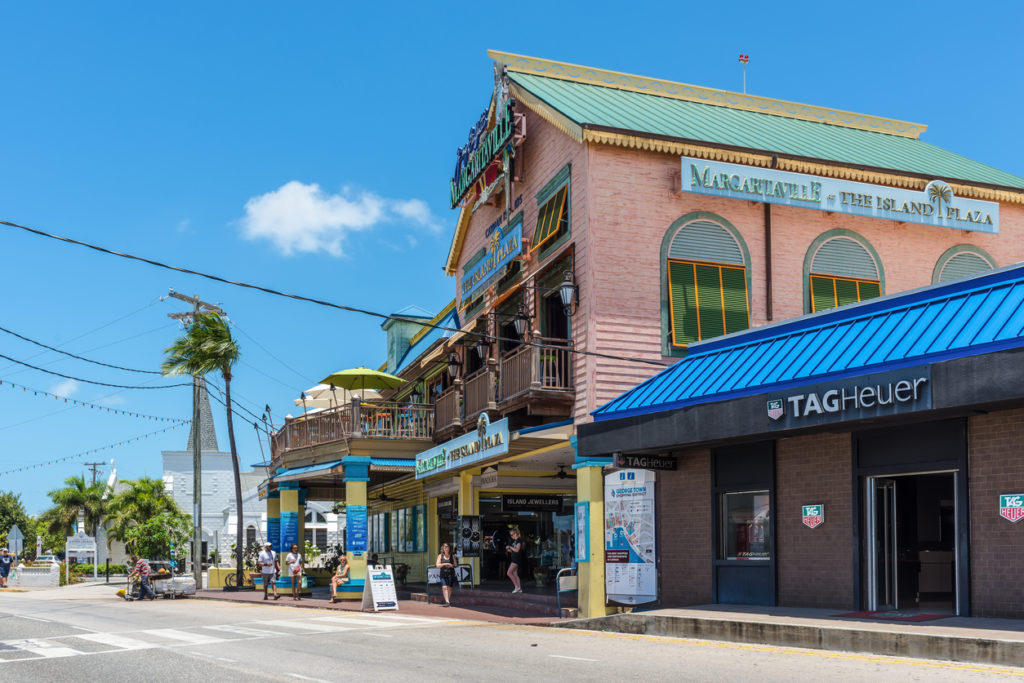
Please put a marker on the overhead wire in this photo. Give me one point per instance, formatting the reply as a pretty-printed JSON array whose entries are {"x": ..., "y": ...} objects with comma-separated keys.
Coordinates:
[
  {"x": 318, "y": 302},
  {"x": 89, "y": 381},
  {"x": 72, "y": 355}
]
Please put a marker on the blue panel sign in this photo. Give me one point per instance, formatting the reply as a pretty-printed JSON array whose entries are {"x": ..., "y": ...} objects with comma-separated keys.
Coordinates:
[
  {"x": 504, "y": 246},
  {"x": 582, "y": 530},
  {"x": 934, "y": 205},
  {"x": 487, "y": 441},
  {"x": 274, "y": 532},
  {"x": 289, "y": 530},
  {"x": 355, "y": 529}
]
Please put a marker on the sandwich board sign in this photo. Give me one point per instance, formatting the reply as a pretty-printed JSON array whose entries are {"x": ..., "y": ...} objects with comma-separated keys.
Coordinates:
[
  {"x": 379, "y": 590},
  {"x": 1011, "y": 506},
  {"x": 813, "y": 515}
]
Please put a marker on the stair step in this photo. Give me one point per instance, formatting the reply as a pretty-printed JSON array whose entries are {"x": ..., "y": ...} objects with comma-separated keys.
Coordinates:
[{"x": 546, "y": 605}]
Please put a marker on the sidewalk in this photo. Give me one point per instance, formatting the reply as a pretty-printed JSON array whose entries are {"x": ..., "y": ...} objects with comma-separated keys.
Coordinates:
[
  {"x": 960, "y": 639},
  {"x": 321, "y": 599}
]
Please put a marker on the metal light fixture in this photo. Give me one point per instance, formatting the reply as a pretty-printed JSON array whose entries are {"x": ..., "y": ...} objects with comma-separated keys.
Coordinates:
[
  {"x": 521, "y": 322},
  {"x": 482, "y": 347},
  {"x": 453, "y": 365},
  {"x": 567, "y": 292}
]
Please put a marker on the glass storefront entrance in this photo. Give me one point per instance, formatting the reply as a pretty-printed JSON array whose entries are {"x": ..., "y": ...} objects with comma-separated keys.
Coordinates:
[{"x": 547, "y": 534}]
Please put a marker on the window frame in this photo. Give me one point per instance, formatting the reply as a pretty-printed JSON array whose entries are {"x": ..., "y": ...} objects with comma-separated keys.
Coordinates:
[
  {"x": 721, "y": 287},
  {"x": 561, "y": 180},
  {"x": 812, "y": 251},
  {"x": 955, "y": 250},
  {"x": 836, "y": 279},
  {"x": 669, "y": 349}
]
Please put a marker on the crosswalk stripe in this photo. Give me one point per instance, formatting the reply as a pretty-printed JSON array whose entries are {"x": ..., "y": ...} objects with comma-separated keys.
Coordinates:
[
  {"x": 43, "y": 648},
  {"x": 173, "y": 634},
  {"x": 354, "y": 622},
  {"x": 402, "y": 617},
  {"x": 117, "y": 640},
  {"x": 244, "y": 630},
  {"x": 306, "y": 626}
]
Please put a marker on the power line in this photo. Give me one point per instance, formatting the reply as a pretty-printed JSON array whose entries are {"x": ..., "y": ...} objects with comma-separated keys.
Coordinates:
[
  {"x": 267, "y": 351},
  {"x": 76, "y": 402},
  {"x": 88, "y": 381},
  {"x": 319, "y": 302},
  {"x": 72, "y": 355}
]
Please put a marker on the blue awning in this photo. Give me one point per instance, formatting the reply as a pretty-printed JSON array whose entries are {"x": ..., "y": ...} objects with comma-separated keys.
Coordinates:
[
  {"x": 968, "y": 317},
  {"x": 296, "y": 472}
]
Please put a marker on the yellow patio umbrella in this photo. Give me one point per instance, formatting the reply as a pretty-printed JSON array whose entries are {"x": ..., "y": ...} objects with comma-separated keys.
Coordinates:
[{"x": 363, "y": 378}]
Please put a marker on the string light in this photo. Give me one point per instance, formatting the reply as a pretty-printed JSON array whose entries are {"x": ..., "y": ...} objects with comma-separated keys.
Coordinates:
[
  {"x": 83, "y": 454},
  {"x": 74, "y": 401}
]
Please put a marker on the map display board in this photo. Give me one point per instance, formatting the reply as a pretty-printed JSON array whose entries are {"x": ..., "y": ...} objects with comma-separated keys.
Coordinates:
[{"x": 631, "y": 574}]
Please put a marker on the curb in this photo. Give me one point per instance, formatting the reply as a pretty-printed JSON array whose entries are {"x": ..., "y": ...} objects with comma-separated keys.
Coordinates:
[{"x": 814, "y": 637}]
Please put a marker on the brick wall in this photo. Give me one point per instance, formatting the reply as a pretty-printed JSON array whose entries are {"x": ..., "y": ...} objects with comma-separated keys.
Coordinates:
[
  {"x": 997, "y": 546},
  {"x": 814, "y": 566},
  {"x": 684, "y": 531}
]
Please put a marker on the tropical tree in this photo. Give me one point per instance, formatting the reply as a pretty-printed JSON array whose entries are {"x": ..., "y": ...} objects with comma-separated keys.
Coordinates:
[
  {"x": 75, "y": 497},
  {"x": 207, "y": 346},
  {"x": 141, "y": 501},
  {"x": 157, "y": 535},
  {"x": 12, "y": 512}
]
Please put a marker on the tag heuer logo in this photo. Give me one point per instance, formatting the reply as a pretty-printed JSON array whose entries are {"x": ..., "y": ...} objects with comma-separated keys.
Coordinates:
[
  {"x": 1011, "y": 506},
  {"x": 775, "y": 409},
  {"x": 813, "y": 515}
]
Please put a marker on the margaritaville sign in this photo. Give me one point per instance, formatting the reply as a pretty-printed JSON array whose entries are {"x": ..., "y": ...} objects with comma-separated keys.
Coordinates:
[
  {"x": 934, "y": 205},
  {"x": 480, "y": 149},
  {"x": 506, "y": 243},
  {"x": 485, "y": 441}
]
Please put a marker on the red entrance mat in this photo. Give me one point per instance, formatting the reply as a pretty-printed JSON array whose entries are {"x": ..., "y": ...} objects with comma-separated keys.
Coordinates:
[{"x": 893, "y": 616}]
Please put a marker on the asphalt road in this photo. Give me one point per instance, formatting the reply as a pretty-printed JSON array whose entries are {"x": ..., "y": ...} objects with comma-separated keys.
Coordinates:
[{"x": 88, "y": 634}]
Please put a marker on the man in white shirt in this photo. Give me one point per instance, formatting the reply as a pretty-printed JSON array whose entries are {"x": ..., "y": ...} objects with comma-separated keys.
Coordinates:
[{"x": 268, "y": 569}]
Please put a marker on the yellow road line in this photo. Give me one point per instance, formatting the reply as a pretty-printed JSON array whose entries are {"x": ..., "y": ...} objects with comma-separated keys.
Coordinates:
[{"x": 885, "y": 659}]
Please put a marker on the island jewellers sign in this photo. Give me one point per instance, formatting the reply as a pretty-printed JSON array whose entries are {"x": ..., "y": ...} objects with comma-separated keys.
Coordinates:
[
  {"x": 934, "y": 205},
  {"x": 877, "y": 395}
]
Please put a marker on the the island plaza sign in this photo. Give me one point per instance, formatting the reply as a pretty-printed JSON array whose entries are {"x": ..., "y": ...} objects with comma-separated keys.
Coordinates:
[
  {"x": 934, "y": 205},
  {"x": 485, "y": 441}
]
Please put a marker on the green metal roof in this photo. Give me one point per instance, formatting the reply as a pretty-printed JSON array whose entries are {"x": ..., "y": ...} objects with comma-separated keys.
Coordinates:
[{"x": 640, "y": 113}]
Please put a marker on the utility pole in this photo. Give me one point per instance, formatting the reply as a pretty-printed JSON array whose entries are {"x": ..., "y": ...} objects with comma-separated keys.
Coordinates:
[
  {"x": 198, "y": 306},
  {"x": 94, "y": 466}
]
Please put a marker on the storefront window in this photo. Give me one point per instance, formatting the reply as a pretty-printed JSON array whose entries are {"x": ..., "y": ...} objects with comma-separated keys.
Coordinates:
[{"x": 746, "y": 526}]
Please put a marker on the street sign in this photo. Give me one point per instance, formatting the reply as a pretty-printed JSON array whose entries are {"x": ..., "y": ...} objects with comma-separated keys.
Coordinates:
[{"x": 15, "y": 540}]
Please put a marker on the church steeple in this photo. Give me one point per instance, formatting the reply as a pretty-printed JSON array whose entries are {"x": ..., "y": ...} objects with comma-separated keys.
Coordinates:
[{"x": 207, "y": 430}]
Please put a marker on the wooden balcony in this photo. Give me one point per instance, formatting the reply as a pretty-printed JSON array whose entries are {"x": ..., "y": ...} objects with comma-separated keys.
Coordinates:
[
  {"x": 478, "y": 393},
  {"x": 448, "y": 409},
  {"x": 539, "y": 378},
  {"x": 358, "y": 420}
]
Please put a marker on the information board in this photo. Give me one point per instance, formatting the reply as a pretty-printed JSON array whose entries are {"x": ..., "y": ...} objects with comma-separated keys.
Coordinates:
[
  {"x": 379, "y": 589},
  {"x": 355, "y": 527},
  {"x": 582, "y": 527},
  {"x": 289, "y": 531},
  {"x": 631, "y": 575}
]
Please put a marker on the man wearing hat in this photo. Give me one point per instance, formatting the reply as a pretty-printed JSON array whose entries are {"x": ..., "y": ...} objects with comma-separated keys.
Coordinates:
[
  {"x": 268, "y": 569},
  {"x": 6, "y": 562}
]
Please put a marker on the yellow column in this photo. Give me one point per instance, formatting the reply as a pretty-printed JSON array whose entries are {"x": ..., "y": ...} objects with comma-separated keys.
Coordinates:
[
  {"x": 433, "y": 532},
  {"x": 469, "y": 504},
  {"x": 590, "y": 488},
  {"x": 355, "y": 494}
]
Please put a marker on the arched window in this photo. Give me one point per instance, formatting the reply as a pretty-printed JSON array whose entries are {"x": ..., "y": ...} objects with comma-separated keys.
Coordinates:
[
  {"x": 961, "y": 261},
  {"x": 250, "y": 535},
  {"x": 842, "y": 270},
  {"x": 706, "y": 274}
]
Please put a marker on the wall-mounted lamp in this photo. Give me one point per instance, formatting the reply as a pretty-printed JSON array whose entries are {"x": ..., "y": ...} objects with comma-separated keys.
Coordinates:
[
  {"x": 521, "y": 322},
  {"x": 567, "y": 291},
  {"x": 453, "y": 365}
]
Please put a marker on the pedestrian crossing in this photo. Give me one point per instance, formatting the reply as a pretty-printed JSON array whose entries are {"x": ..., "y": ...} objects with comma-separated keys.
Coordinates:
[{"x": 80, "y": 644}]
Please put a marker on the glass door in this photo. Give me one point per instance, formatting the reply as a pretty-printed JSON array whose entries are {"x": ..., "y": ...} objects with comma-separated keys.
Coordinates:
[{"x": 882, "y": 575}]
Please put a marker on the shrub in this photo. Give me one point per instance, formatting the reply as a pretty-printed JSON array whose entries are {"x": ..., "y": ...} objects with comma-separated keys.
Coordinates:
[{"x": 87, "y": 569}]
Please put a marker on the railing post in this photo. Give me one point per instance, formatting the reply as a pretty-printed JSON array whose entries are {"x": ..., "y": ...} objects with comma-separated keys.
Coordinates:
[
  {"x": 492, "y": 383},
  {"x": 457, "y": 418},
  {"x": 357, "y": 417},
  {"x": 535, "y": 382}
]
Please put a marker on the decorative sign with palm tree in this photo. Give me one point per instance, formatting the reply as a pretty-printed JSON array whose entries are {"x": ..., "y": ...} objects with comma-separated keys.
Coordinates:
[{"x": 937, "y": 193}]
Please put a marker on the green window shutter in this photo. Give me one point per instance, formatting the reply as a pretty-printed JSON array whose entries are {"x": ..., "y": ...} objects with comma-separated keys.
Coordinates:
[
  {"x": 823, "y": 293},
  {"x": 683, "y": 302},
  {"x": 734, "y": 291},
  {"x": 846, "y": 292},
  {"x": 709, "y": 299},
  {"x": 550, "y": 218},
  {"x": 869, "y": 290}
]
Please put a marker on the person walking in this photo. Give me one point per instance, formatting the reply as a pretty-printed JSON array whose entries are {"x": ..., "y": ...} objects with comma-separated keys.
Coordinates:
[
  {"x": 142, "y": 571},
  {"x": 446, "y": 562},
  {"x": 268, "y": 569},
  {"x": 6, "y": 562},
  {"x": 340, "y": 577},
  {"x": 515, "y": 551},
  {"x": 294, "y": 562}
]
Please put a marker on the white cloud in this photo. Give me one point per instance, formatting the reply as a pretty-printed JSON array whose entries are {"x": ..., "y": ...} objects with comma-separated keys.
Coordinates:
[
  {"x": 299, "y": 217},
  {"x": 65, "y": 388},
  {"x": 114, "y": 400}
]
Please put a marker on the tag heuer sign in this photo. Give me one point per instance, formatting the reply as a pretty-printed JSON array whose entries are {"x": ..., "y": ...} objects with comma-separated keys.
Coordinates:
[
  {"x": 776, "y": 409},
  {"x": 813, "y": 515},
  {"x": 1011, "y": 506}
]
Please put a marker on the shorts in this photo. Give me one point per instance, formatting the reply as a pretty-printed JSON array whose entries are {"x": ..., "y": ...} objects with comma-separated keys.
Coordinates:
[
  {"x": 448, "y": 577},
  {"x": 4, "y": 573}
]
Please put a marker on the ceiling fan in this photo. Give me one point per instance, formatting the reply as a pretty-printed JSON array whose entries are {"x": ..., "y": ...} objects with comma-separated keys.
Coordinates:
[
  {"x": 561, "y": 473},
  {"x": 385, "y": 498}
]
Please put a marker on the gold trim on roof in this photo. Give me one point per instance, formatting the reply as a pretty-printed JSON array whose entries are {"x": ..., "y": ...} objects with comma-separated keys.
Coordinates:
[
  {"x": 795, "y": 165},
  {"x": 461, "y": 226},
  {"x": 712, "y": 96}
]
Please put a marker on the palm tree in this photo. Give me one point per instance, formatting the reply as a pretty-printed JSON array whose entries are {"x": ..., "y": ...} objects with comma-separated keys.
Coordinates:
[
  {"x": 207, "y": 346},
  {"x": 76, "y": 496},
  {"x": 939, "y": 192},
  {"x": 143, "y": 500}
]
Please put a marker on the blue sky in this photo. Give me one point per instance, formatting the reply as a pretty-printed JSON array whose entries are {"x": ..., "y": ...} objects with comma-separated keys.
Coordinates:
[{"x": 308, "y": 146}]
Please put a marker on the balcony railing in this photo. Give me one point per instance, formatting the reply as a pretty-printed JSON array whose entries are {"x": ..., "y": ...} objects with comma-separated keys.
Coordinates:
[
  {"x": 447, "y": 409},
  {"x": 368, "y": 420},
  {"x": 534, "y": 367},
  {"x": 479, "y": 391}
]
